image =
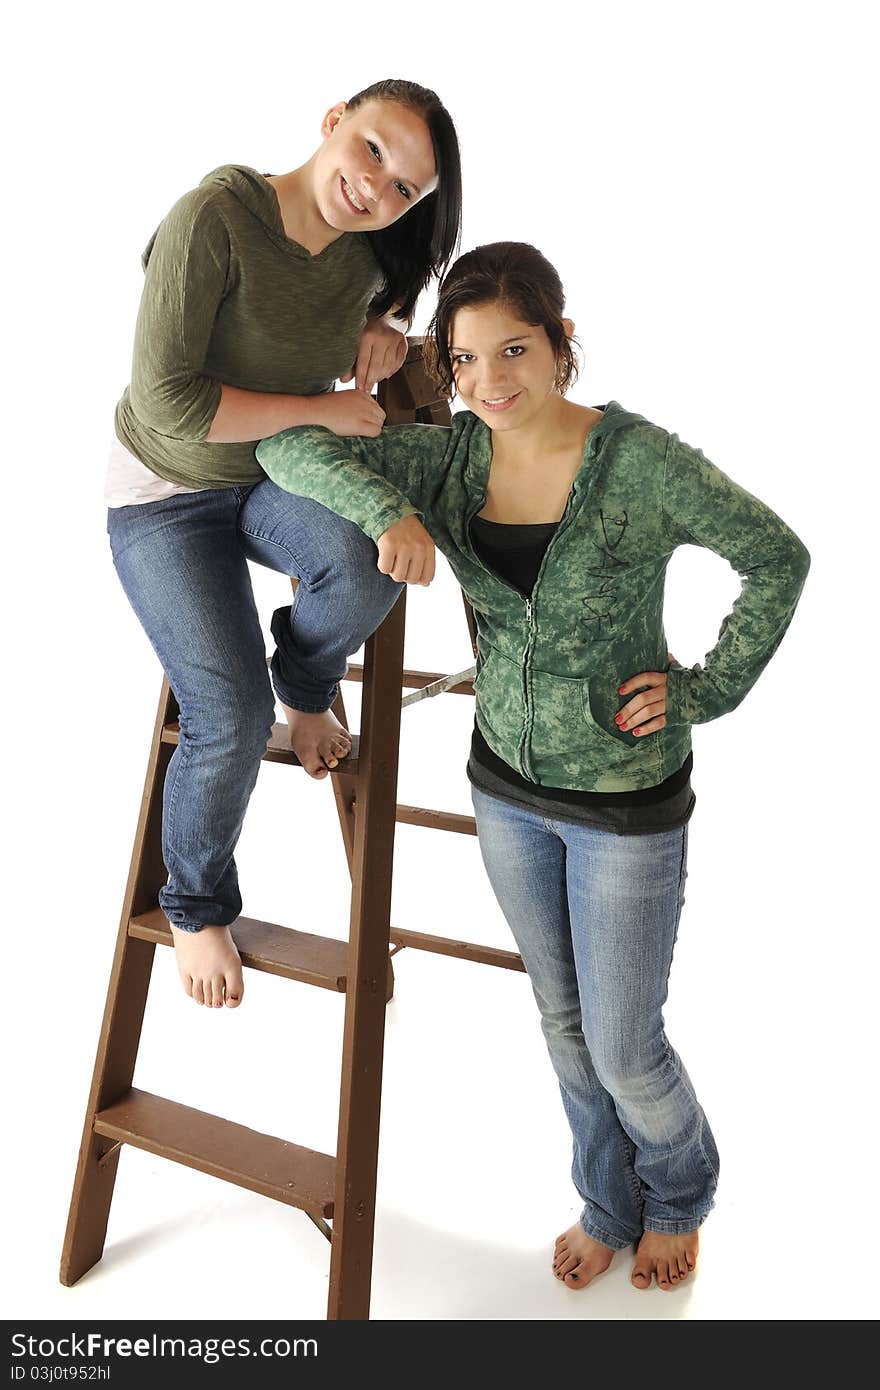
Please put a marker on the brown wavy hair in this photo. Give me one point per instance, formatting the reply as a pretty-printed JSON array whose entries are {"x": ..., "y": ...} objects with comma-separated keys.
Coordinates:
[{"x": 510, "y": 272}]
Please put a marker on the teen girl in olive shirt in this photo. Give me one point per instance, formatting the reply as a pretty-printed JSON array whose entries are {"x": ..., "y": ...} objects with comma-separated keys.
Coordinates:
[{"x": 261, "y": 291}]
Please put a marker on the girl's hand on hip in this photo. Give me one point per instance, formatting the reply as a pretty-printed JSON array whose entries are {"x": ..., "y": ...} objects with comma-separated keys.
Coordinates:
[
  {"x": 645, "y": 713},
  {"x": 406, "y": 552},
  {"x": 381, "y": 351},
  {"x": 347, "y": 412}
]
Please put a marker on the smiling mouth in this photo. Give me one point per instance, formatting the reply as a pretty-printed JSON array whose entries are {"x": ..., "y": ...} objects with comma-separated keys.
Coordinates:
[
  {"x": 501, "y": 402},
  {"x": 352, "y": 199}
]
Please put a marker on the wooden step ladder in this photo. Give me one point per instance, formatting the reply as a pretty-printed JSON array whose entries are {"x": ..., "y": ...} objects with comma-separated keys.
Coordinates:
[{"x": 340, "y": 1188}]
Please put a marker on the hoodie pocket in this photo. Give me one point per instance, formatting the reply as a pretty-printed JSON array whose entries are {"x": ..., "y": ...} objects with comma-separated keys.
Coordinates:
[
  {"x": 500, "y": 706},
  {"x": 621, "y": 747},
  {"x": 567, "y": 747}
]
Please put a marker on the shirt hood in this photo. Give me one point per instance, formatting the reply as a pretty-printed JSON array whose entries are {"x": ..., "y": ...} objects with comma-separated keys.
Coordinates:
[
  {"x": 253, "y": 192},
  {"x": 251, "y": 189}
]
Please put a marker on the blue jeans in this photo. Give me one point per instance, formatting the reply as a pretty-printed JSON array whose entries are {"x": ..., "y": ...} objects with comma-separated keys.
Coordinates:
[
  {"x": 595, "y": 916},
  {"x": 183, "y": 564}
]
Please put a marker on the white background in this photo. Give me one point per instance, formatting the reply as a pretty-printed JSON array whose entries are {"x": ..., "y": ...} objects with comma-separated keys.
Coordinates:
[{"x": 701, "y": 176}]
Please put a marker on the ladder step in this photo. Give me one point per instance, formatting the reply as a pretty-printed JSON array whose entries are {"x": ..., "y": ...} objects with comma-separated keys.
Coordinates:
[
  {"x": 294, "y": 955},
  {"x": 415, "y": 680},
  {"x": 286, "y": 1172},
  {"x": 278, "y": 749},
  {"x": 437, "y": 820}
]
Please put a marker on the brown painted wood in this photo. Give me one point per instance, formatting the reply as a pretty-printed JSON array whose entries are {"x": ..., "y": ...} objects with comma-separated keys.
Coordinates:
[
  {"x": 294, "y": 955},
  {"x": 285, "y": 1172},
  {"x": 437, "y": 820},
  {"x": 344, "y": 781},
  {"x": 464, "y": 950},
  {"x": 471, "y": 620},
  {"x": 417, "y": 680},
  {"x": 411, "y": 396},
  {"x": 123, "y": 1017},
  {"x": 357, "y": 1146}
]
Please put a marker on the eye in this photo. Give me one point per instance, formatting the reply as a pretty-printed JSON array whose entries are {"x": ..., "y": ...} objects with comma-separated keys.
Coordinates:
[
  {"x": 375, "y": 151},
  {"x": 463, "y": 357},
  {"x": 403, "y": 191},
  {"x": 518, "y": 349}
]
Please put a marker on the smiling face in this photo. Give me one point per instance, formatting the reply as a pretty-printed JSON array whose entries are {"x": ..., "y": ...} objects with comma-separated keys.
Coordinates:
[
  {"x": 504, "y": 369},
  {"x": 376, "y": 163}
]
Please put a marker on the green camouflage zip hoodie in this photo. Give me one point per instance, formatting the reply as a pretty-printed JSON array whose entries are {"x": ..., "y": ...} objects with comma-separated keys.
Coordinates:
[{"x": 549, "y": 667}]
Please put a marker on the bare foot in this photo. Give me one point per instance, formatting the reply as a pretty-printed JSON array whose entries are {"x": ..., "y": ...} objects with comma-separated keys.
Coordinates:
[
  {"x": 578, "y": 1258},
  {"x": 318, "y": 740},
  {"x": 671, "y": 1258},
  {"x": 209, "y": 966}
]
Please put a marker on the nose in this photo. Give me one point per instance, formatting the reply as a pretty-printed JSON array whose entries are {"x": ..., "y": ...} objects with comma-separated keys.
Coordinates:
[
  {"x": 368, "y": 188},
  {"x": 493, "y": 391}
]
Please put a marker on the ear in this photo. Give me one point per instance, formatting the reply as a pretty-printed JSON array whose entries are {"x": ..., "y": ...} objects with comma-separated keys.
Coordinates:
[
  {"x": 332, "y": 118},
  {"x": 568, "y": 325}
]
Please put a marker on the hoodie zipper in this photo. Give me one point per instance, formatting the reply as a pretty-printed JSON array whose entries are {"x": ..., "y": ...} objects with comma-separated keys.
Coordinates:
[
  {"x": 529, "y": 600},
  {"x": 532, "y": 638},
  {"x": 531, "y": 630},
  {"x": 524, "y": 598}
]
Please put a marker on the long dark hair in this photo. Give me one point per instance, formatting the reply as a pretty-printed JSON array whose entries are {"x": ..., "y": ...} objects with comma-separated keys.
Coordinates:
[
  {"x": 516, "y": 274},
  {"x": 422, "y": 242}
]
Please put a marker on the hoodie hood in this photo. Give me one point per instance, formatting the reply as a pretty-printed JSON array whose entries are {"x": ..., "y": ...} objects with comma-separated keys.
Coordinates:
[
  {"x": 251, "y": 189},
  {"x": 254, "y": 194},
  {"x": 479, "y": 439},
  {"x": 614, "y": 418}
]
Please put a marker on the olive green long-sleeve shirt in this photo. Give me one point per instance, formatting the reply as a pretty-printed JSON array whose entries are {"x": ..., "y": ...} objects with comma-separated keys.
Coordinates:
[{"x": 229, "y": 298}]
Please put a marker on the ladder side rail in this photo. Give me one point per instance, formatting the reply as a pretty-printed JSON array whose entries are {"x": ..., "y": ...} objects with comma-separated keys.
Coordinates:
[
  {"x": 357, "y": 1147},
  {"x": 123, "y": 1018}
]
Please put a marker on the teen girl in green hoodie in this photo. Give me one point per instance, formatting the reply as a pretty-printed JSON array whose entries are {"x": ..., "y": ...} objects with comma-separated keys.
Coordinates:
[{"x": 559, "y": 521}]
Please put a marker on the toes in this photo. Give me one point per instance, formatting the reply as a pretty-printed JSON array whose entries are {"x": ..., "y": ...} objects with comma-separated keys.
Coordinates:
[
  {"x": 682, "y": 1267},
  {"x": 577, "y": 1278},
  {"x": 641, "y": 1276},
  {"x": 663, "y": 1275},
  {"x": 234, "y": 991},
  {"x": 198, "y": 992}
]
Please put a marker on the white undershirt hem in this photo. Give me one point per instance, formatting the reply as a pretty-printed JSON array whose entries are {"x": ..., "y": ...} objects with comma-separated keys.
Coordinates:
[{"x": 130, "y": 483}]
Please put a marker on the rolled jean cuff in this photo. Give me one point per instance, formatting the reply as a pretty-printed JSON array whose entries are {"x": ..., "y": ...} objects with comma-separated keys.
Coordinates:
[
  {"x": 293, "y": 703},
  {"x": 663, "y": 1227},
  {"x": 603, "y": 1236},
  {"x": 286, "y": 675},
  {"x": 188, "y": 921}
]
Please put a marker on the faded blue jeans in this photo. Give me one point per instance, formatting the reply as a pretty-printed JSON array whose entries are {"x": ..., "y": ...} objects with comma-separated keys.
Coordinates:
[
  {"x": 183, "y": 564},
  {"x": 595, "y": 916}
]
